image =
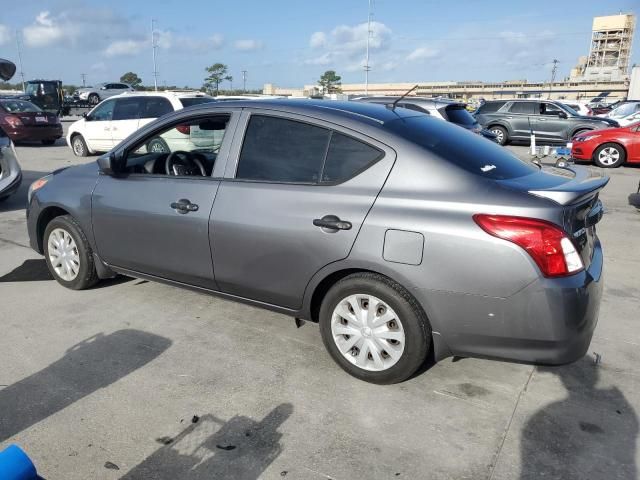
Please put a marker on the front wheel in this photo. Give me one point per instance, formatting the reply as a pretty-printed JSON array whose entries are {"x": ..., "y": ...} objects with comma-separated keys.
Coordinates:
[
  {"x": 374, "y": 329},
  {"x": 79, "y": 146},
  {"x": 501, "y": 134},
  {"x": 609, "y": 155},
  {"x": 68, "y": 254}
]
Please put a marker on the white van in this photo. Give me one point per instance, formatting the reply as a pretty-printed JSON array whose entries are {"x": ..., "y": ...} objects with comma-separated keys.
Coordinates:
[{"x": 116, "y": 118}]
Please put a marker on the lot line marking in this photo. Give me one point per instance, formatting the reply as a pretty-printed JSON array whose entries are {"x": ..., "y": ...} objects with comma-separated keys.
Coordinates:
[{"x": 496, "y": 456}]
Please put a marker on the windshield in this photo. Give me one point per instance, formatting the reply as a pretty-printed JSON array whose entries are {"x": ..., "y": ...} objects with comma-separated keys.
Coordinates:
[
  {"x": 19, "y": 106},
  {"x": 467, "y": 151},
  {"x": 190, "y": 101},
  {"x": 460, "y": 115},
  {"x": 568, "y": 109},
  {"x": 44, "y": 88}
]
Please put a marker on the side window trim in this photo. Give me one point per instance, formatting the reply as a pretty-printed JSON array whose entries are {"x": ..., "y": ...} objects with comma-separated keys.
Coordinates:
[{"x": 241, "y": 131}]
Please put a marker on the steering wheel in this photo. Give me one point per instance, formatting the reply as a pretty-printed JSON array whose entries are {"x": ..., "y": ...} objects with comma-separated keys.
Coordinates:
[{"x": 181, "y": 163}]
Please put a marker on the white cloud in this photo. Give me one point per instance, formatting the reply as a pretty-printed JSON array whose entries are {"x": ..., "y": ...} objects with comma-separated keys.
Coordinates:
[
  {"x": 45, "y": 31},
  {"x": 422, "y": 53},
  {"x": 98, "y": 67},
  {"x": 125, "y": 48},
  {"x": 247, "y": 45},
  {"x": 318, "y": 39},
  {"x": 5, "y": 34},
  {"x": 346, "y": 45}
]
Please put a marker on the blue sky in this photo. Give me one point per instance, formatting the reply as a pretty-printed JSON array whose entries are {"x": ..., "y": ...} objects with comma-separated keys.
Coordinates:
[{"x": 290, "y": 43}]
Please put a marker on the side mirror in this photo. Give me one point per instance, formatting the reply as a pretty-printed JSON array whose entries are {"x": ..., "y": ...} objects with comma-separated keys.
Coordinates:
[
  {"x": 563, "y": 115},
  {"x": 107, "y": 163},
  {"x": 86, "y": 116},
  {"x": 7, "y": 69},
  {"x": 103, "y": 87}
]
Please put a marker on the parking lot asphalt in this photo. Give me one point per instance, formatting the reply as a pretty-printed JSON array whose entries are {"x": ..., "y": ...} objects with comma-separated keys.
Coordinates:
[{"x": 138, "y": 380}]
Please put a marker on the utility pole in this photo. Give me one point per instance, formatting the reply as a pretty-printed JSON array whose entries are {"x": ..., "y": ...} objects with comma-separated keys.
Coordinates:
[
  {"x": 553, "y": 75},
  {"x": 244, "y": 81},
  {"x": 154, "y": 47},
  {"x": 367, "y": 68},
  {"x": 84, "y": 79},
  {"x": 18, "y": 46}
]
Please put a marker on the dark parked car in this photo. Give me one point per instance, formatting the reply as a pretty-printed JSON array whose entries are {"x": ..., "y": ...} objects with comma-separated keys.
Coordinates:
[
  {"x": 10, "y": 173},
  {"x": 397, "y": 232},
  {"x": 448, "y": 110},
  {"x": 550, "y": 121},
  {"x": 23, "y": 121},
  {"x": 46, "y": 94}
]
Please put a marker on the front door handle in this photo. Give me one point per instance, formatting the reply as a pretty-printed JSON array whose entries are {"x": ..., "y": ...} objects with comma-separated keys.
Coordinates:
[
  {"x": 331, "y": 222},
  {"x": 184, "y": 206}
]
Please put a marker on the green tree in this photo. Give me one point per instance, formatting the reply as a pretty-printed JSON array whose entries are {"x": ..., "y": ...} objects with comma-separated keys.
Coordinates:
[
  {"x": 217, "y": 73},
  {"x": 132, "y": 79},
  {"x": 330, "y": 82}
]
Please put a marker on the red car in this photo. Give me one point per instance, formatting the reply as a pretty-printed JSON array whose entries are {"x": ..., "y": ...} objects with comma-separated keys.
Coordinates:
[
  {"x": 608, "y": 148},
  {"x": 22, "y": 120}
]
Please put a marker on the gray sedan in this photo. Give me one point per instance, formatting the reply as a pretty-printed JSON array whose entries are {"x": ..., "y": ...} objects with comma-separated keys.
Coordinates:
[{"x": 401, "y": 235}]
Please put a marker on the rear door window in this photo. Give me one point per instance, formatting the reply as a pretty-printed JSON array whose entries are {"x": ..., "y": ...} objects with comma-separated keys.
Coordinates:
[
  {"x": 459, "y": 115},
  {"x": 523, "y": 107},
  {"x": 469, "y": 152},
  {"x": 490, "y": 107},
  {"x": 280, "y": 150},
  {"x": 127, "y": 108},
  {"x": 347, "y": 157},
  {"x": 155, "y": 107}
]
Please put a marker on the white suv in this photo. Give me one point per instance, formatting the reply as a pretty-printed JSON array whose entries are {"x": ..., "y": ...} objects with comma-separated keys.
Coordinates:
[{"x": 116, "y": 118}]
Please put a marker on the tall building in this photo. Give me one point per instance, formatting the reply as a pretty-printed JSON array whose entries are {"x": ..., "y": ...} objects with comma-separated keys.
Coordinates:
[{"x": 610, "y": 50}]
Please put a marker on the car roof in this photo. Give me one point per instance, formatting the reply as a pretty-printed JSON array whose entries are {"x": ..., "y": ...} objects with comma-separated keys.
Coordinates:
[
  {"x": 167, "y": 94},
  {"x": 359, "y": 111}
]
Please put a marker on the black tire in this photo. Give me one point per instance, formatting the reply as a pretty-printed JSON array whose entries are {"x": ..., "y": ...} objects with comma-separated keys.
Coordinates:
[
  {"x": 502, "y": 136},
  {"x": 158, "y": 145},
  {"x": 93, "y": 99},
  {"x": 579, "y": 132},
  {"x": 86, "y": 276},
  {"x": 51, "y": 141},
  {"x": 614, "y": 149},
  {"x": 79, "y": 146},
  {"x": 414, "y": 323}
]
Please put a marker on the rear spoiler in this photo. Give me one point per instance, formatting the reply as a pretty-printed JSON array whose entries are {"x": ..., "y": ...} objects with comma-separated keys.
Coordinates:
[{"x": 584, "y": 184}]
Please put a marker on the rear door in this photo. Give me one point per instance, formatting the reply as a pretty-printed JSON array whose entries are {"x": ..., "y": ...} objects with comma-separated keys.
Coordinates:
[
  {"x": 520, "y": 116},
  {"x": 292, "y": 201},
  {"x": 126, "y": 114}
]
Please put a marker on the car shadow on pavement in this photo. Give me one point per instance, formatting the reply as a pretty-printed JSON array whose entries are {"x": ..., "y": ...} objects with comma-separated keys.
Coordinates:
[
  {"x": 18, "y": 200},
  {"x": 35, "y": 270},
  {"x": 591, "y": 433},
  {"x": 240, "y": 449},
  {"x": 88, "y": 366}
]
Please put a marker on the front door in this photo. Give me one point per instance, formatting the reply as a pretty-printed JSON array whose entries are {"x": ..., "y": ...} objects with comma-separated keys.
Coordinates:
[
  {"x": 294, "y": 204},
  {"x": 97, "y": 127},
  {"x": 549, "y": 124},
  {"x": 153, "y": 217}
]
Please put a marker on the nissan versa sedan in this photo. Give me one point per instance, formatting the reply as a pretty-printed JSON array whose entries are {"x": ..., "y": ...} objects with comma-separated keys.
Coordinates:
[{"x": 401, "y": 235}]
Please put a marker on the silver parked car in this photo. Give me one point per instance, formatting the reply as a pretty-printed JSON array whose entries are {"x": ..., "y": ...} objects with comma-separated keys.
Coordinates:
[
  {"x": 94, "y": 95},
  {"x": 401, "y": 234}
]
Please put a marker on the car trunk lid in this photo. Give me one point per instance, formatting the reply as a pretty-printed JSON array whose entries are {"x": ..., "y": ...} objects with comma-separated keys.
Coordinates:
[
  {"x": 576, "y": 190},
  {"x": 36, "y": 118}
]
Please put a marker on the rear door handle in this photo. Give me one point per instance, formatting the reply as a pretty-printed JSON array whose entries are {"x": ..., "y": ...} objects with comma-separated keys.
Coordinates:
[
  {"x": 184, "y": 206},
  {"x": 332, "y": 222}
]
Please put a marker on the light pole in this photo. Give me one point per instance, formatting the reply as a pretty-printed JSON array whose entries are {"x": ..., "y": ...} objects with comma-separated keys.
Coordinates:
[
  {"x": 154, "y": 47},
  {"x": 244, "y": 81},
  {"x": 366, "y": 63},
  {"x": 20, "y": 57}
]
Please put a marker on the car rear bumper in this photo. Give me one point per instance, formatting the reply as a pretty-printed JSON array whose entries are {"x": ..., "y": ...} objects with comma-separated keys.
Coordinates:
[
  {"x": 550, "y": 321},
  {"x": 35, "y": 133}
]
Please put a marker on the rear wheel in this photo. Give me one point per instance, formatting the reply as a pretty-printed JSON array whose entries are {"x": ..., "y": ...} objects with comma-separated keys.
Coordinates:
[
  {"x": 79, "y": 146},
  {"x": 68, "y": 254},
  {"x": 501, "y": 134},
  {"x": 93, "y": 99},
  {"x": 157, "y": 145},
  {"x": 374, "y": 329},
  {"x": 609, "y": 155}
]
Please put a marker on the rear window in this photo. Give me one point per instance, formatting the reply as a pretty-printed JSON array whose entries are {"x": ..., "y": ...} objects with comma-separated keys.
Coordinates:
[
  {"x": 460, "y": 116},
  {"x": 467, "y": 151},
  {"x": 490, "y": 107},
  {"x": 189, "y": 102},
  {"x": 19, "y": 106}
]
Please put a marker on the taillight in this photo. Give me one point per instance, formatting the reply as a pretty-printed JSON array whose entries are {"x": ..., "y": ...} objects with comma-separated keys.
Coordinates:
[
  {"x": 13, "y": 121},
  {"x": 184, "y": 129},
  {"x": 547, "y": 243}
]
